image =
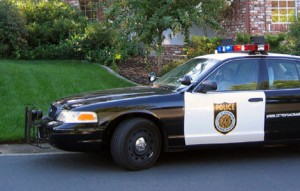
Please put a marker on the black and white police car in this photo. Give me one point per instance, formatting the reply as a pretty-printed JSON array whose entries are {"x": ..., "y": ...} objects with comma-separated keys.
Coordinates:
[{"x": 245, "y": 95}]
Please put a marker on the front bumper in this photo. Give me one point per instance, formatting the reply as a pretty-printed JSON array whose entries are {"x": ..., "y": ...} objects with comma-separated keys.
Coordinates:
[{"x": 71, "y": 136}]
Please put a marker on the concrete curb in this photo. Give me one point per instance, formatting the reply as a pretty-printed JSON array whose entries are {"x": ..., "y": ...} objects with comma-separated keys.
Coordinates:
[{"x": 8, "y": 149}]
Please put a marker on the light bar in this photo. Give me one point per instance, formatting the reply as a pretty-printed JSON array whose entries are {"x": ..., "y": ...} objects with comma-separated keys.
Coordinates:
[{"x": 244, "y": 48}]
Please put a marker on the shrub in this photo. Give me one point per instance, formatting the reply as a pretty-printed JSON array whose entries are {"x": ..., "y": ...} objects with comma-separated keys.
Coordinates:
[
  {"x": 242, "y": 38},
  {"x": 12, "y": 29},
  {"x": 277, "y": 42},
  {"x": 31, "y": 29},
  {"x": 200, "y": 45},
  {"x": 293, "y": 38},
  {"x": 62, "y": 51},
  {"x": 96, "y": 36},
  {"x": 129, "y": 48},
  {"x": 50, "y": 22},
  {"x": 100, "y": 43},
  {"x": 104, "y": 56}
]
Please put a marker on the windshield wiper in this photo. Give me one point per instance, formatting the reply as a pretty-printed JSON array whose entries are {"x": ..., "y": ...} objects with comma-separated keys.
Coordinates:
[{"x": 167, "y": 87}]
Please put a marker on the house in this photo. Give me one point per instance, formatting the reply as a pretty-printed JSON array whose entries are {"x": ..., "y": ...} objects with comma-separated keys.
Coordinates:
[{"x": 259, "y": 17}]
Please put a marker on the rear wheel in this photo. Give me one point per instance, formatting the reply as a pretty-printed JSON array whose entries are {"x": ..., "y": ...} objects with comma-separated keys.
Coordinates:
[{"x": 136, "y": 144}]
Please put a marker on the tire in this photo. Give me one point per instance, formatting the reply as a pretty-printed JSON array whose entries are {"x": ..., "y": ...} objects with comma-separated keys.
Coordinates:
[{"x": 136, "y": 144}]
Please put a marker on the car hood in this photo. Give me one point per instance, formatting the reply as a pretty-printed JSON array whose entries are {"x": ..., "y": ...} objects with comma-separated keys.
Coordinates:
[{"x": 110, "y": 95}]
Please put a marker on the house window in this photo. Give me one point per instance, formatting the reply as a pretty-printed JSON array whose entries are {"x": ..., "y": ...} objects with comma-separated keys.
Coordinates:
[
  {"x": 93, "y": 9},
  {"x": 283, "y": 11}
]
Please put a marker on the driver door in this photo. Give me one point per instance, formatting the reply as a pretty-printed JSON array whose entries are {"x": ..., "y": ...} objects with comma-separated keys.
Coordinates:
[{"x": 234, "y": 113}]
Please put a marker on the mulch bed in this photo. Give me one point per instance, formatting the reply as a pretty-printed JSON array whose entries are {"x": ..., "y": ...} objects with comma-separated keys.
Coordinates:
[{"x": 137, "y": 70}]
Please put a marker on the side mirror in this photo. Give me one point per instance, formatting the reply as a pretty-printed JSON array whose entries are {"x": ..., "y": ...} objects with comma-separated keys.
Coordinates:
[
  {"x": 207, "y": 86},
  {"x": 186, "y": 80},
  {"x": 152, "y": 77}
]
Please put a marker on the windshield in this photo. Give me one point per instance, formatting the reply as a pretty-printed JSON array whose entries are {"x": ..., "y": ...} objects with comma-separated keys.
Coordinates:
[{"x": 192, "y": 68}]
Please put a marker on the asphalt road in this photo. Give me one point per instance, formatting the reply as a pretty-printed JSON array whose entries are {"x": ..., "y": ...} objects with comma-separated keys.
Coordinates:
[{"x": 219, "y": 169}]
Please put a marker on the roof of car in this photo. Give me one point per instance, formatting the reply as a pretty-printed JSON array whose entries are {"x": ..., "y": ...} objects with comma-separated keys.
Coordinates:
[{"x": 225, "y": 56}]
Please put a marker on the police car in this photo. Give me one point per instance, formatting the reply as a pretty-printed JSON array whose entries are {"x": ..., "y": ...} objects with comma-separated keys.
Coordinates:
[{"x": 242, "y": 94}]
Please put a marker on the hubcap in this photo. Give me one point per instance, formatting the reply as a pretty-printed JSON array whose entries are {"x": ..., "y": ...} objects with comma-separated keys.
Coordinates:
[{"x": 140, "y": 144}]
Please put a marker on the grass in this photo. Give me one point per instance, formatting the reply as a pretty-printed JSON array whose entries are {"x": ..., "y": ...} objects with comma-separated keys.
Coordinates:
[{"x": 38, "y": 83}]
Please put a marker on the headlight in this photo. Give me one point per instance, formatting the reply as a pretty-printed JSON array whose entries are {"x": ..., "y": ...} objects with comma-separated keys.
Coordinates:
[{"x": 77, "y": 117}]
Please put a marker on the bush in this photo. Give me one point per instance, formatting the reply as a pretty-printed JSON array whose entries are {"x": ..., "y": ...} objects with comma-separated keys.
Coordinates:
[
  {"x": 105, "y": 56},
  {"x": 52, "y": 29},
  {"x": 96, "y": 36},
  {"x": 12, "y": 29},
  {"x": 242, "y": 38},
  {"x": 277, "y": 43},
  {"x": 31, "y": 29},
  {"x": 50, "y": 22},
  {"x": 58, "y": 31},
  {"x": 61, "y": 51},
  {"x": 293, "y": 38},
  {"x": 128, "y": 48},
  {"x": 100, "y": 43},
  {"x": 200, "y": 45}
]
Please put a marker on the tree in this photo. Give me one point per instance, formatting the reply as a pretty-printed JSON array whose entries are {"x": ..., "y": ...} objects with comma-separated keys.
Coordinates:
[
  {"x": 210, "y": 14},
  {"x": 147, "y": 20},
  {"x": 293, "y": 40},
  {"x": 12, "y": 29}
]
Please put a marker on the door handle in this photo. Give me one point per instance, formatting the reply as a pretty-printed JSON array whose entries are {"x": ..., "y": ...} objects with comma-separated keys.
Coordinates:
[{"x": 257, "y": 99}]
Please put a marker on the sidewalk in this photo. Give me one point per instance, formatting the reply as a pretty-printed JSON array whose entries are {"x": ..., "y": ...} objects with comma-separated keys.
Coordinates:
[{"x": 27, "y": 148}]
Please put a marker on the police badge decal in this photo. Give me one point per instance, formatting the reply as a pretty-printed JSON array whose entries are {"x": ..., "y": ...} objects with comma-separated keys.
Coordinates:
[{"x": 225, "y": 117}]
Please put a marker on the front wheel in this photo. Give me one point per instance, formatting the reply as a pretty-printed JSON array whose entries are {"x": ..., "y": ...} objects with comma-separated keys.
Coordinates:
[{"x": 136, "y": 144}]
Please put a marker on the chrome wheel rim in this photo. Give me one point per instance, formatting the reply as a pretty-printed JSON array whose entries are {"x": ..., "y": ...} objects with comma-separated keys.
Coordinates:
[{"x": 140, "y": 144}]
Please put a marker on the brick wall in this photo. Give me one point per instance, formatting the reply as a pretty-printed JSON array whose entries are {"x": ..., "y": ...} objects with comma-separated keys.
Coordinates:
[
  {"x": 253, "y": 17},
  {"x": 260, "y": 15},
  {"x": 236, "y": 19},
  {"x": 173, "y": 52},
  {"x": 248, "y": 16}
]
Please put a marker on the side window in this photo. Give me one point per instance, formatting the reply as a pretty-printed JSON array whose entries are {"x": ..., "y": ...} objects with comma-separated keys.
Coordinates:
[
  {"x": 283, "y": 74},
  {"x": 237, "y": 75}
]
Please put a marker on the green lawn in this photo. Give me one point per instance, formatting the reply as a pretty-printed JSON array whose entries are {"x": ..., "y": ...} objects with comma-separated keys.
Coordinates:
[{"x": 38, "y": 83}]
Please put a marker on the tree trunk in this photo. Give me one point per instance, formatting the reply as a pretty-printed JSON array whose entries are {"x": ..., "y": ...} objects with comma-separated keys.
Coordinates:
[
  {"x": 159, "y": 58},
  {"x": 159, "y": 51},
  {"x": 205, "y": 31}
]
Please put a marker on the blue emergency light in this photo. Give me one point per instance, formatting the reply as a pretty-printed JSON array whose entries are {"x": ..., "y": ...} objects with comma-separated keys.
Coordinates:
[{"x": 223, "y": 49}]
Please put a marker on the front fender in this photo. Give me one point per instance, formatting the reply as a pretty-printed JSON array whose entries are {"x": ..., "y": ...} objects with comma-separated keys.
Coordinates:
[{"x": 115, "y": 120}]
